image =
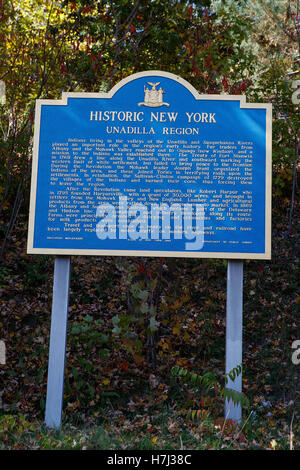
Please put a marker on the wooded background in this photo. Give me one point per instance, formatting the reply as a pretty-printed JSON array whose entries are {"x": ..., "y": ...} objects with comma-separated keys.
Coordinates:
[{"x": 133, "y": 320}]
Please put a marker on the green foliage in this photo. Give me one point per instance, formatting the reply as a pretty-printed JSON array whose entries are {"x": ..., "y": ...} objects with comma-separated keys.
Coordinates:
[
  {"x": 165, "y": 432},
  {"x": 237, "y": 398},
  {"x": 210, "y": 391},
  {"x": 35, "y": 271},
  {"x": 235, "y": 372},
  {"x": 50, "y": 47},
  {"x": 88, "y": 333},
  {"x": 274, "y": 43},
  {"x": 14, "y": 428},
  {"x": 64, "y": 45},
  {"x": 206, "y": 382}
]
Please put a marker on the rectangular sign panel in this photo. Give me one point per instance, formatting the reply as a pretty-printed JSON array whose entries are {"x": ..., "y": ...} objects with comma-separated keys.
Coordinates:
[{"x": 151, "y": 168}]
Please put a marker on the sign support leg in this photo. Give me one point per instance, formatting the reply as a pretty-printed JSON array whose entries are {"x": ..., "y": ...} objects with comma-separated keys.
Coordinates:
[
  {"x": 58, "y": 336},
  {"x": 234, "y": 323}
]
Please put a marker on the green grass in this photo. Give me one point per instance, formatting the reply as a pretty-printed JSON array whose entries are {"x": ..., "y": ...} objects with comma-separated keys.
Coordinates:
[{"x": 166, "y": 430}]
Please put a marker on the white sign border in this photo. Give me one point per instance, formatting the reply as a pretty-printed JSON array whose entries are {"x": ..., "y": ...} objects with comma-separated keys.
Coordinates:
[{"x": 174, "y": 254}]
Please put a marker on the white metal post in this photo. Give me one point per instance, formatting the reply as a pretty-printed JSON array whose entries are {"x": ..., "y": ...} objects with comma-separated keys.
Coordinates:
[
  {"x": 234, "y": 324},
  {"x": 58, "y": 336}
]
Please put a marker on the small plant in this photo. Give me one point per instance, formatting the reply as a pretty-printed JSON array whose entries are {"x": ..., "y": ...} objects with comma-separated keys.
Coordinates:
[
  {"x": 235, "y": 372},
  {"x": 87, "y": 333},
  {"x": 210, "y": 390}
]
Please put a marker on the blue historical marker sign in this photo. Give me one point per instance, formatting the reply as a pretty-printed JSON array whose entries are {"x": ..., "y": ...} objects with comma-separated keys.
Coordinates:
[{"x": 151, "y": 168}]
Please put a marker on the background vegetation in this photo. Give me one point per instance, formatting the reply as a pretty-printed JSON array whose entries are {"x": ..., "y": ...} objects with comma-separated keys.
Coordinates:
[{"x": 134, "y": 322}]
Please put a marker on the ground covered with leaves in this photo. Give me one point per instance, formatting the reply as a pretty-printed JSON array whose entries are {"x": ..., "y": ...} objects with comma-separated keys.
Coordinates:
[{"x": 141, "y": 333}]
